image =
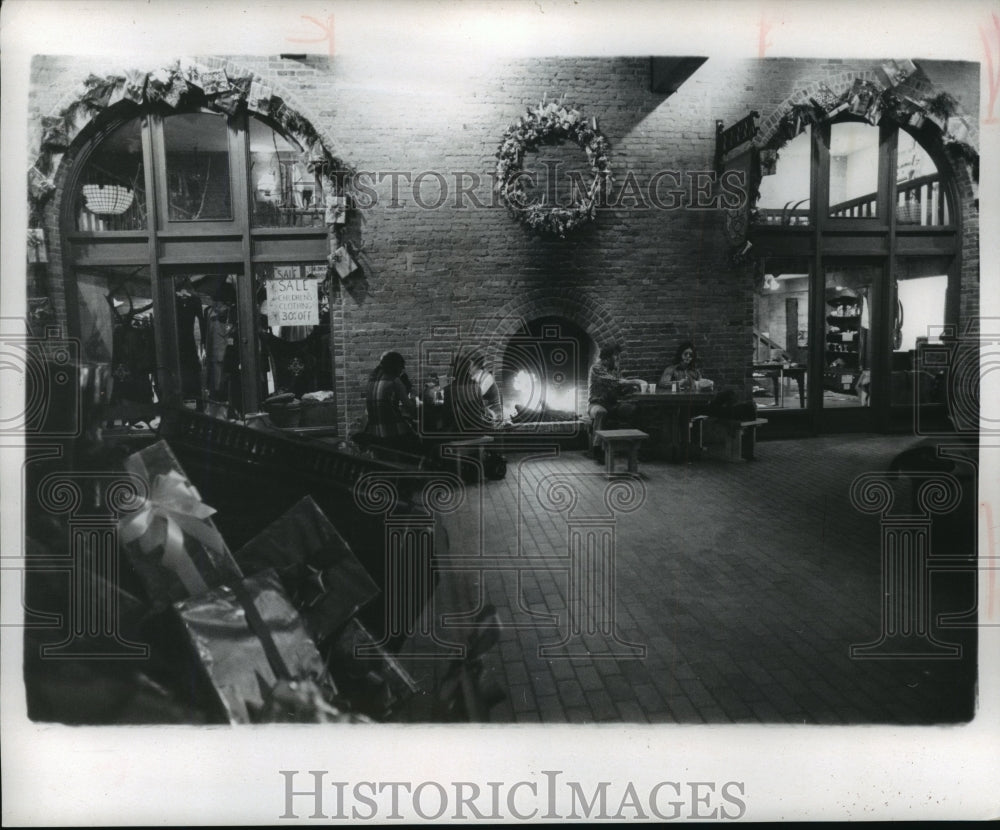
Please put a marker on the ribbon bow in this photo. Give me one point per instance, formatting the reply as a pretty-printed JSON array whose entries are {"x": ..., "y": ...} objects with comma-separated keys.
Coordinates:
[{"x": 174, "y": 508}]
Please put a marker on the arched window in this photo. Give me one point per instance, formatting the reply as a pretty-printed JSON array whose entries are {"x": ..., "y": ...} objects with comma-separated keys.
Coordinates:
[
  {"x": 196, "y": 260},
  {"x": 857, "y": 235}
]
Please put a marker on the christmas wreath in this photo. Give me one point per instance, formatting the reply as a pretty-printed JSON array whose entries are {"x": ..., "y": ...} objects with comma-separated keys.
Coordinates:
[{"x": 550, "y": 124}]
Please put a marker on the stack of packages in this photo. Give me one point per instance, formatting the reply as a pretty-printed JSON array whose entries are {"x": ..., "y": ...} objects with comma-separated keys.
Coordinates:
[{"x": 273, "y": 627}]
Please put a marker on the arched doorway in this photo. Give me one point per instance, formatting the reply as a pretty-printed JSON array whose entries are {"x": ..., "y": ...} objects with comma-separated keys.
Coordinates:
[
  {"x": 195, "y": 250},
  {"x": 857, "y": 230}
]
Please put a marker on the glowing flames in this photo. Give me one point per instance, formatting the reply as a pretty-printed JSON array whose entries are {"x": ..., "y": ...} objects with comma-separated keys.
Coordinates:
[{"x": 530, "y": 393}]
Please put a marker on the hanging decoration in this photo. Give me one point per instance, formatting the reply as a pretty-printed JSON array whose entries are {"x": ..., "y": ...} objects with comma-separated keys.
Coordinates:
[
  {"x": 181, "y": 85},
  {"x": 551, "y": 123},
  {"x": 107, "y": 199},
  {"x": 900, "y": 102}
]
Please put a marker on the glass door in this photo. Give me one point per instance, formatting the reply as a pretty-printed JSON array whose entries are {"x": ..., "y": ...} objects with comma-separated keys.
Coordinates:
[
  {"x": 781, "y": 335},
  {"x": 852, "y": 336}
]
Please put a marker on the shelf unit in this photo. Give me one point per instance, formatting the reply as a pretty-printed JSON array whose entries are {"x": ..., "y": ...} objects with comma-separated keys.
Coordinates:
[{"x": 843, "y": 333}]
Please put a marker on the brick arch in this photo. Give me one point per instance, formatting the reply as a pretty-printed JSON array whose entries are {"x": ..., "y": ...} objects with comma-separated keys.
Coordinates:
[
  {"x": 581, "y": 309},
  {"x": 954, "y": 163},
  {"x": 838, "y": 84},
  {"x": 59, "y": 161},
  {"x": 203, "y": 65}
]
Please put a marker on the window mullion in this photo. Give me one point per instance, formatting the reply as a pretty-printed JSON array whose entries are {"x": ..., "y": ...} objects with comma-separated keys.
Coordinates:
[
  {"x": 247, "y": 306},
  {"x": 165, "y": 325}
]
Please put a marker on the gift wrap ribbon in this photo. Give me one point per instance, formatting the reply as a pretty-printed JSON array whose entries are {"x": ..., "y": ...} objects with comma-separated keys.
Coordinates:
[{"x": 174, "y": 509}]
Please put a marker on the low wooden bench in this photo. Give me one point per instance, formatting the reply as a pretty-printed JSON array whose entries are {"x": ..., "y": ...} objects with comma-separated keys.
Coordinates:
[
  {"x": 738, "y": 438},
  {"x": 624, "y": 441}
]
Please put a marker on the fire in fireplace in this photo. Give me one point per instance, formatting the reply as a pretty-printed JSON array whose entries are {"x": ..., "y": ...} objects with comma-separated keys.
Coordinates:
[{"x": 544, "y": 370}]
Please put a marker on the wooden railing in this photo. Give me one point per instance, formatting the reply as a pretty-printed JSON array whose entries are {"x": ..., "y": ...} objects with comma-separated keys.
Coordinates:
[
  {"x": 312, "y": 461},
  {"x": 863, "y": 207},
  {"x": 920, "y": 202}
]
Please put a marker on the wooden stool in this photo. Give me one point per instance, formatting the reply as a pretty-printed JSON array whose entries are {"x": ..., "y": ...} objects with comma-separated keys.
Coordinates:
[
  {"x": 625, "y": 441},
  {"x": 739, "y": 438}
]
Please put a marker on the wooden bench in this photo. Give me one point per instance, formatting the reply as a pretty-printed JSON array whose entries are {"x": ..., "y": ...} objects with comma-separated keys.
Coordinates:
[
  {"x": 624, "y": 441},
  {"x": 738, "y": 438}
]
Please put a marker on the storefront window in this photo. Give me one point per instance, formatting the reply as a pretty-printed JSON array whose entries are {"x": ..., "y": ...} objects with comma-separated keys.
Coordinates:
[
  {"x": 294, "y": 342},
  {"x": 205, "y": 356},
  {"x": 781, "y": 336},
  {"x": 112, "y": 191},
  {"x": 785, "y": 185},
  {"x": 117, "y": 327},
  {"x": 208, "y": 340},
  {"x": 197, "y": 161},
  {"x": 284, "y": 193},
  {"x": 854, "y": 155}
]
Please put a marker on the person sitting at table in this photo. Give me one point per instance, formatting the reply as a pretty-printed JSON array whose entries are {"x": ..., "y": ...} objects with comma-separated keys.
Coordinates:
[
  {"x": 390, "y": 407},
  {"x": 607, "y": 388},
  {"x": 465, "y": 408},
  {"x": 684, "y": 371},
  {"x": 487, "y": 386}
]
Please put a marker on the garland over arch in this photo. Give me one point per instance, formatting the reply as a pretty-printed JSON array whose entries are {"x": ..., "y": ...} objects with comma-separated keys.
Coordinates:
[
  {"x": 550, "y": 124},
  {"x": 935, "y": 116},
  {"x": 183, "y": 84}
]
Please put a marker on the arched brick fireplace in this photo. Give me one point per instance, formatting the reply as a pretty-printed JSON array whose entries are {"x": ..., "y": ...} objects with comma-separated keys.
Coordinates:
[
  {"x": 544, "y": 368},
  {"x": 541, "y": 346}
]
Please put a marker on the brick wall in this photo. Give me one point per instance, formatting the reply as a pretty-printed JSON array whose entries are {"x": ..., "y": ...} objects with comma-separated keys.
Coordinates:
[{"x": 646, "y": 277}]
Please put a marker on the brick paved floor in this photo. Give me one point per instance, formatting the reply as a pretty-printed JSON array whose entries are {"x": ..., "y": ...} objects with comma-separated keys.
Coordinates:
[{"x": 738, "y": 589}]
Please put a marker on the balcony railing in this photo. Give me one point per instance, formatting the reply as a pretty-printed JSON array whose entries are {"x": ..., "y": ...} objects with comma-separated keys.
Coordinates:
[{"x": 920, "y": 202}]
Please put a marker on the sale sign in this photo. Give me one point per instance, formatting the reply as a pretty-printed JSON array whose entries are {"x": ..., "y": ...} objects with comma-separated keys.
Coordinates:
[{"x": 292, "y": 302}]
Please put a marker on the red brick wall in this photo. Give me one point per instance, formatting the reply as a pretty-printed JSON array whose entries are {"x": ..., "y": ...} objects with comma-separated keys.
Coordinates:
[{"x": 646, "y": 277}]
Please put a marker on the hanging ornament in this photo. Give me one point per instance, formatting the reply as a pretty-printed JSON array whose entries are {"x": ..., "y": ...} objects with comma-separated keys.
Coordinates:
[
  {"x": 336, "y": 209},
  {"x": 897, "y": 72},
  {"x": 259, "y": 97},
  {"x": 55, "y": 135},
  {"x": 135, "y": 86}
]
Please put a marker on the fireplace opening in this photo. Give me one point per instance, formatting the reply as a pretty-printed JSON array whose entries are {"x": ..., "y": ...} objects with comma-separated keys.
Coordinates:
[{"x": 543, "y": 375}]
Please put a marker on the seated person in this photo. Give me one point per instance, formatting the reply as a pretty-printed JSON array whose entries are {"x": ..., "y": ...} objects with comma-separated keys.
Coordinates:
[
  {"x": 390, "y": 407},
  {"x": 487, "y": 387},
  {"x": 684, "y": 371},
  {"x": 607, "y": 387},
  {"x": 465, "y": 409},
  {"x": 432, "y": 417}
]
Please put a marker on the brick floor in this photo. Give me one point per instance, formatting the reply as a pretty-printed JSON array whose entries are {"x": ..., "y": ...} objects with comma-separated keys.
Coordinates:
[{"x": 746, "y": 583}]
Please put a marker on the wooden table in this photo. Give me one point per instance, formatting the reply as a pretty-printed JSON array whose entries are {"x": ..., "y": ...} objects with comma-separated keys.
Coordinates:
[
  {"x": 777, "y": 372},
  {"x": 666, "y": 415},
  {"x": 621, "y": 441}
]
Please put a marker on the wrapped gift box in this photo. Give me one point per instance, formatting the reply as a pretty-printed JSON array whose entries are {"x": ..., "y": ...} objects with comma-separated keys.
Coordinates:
[
  {"x": 247, "y": 636},
  {"x": 320, "y": 572},
  {"x": 170, "y": 540},
  {"x": 373, "y": 682}
]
